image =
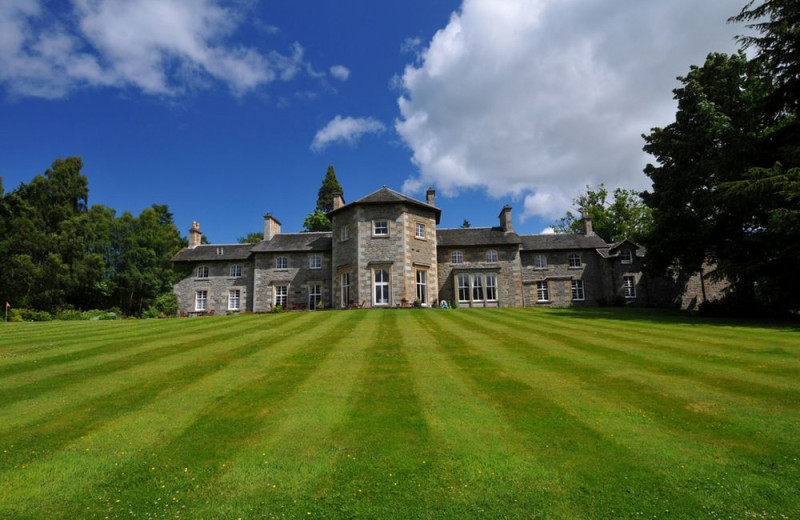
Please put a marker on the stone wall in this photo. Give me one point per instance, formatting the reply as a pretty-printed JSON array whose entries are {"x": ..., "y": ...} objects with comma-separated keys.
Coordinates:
[
  {"x": 217, "y": 284},
  {"x": 559, "y": 275},
  {"x": 507, "y": 268},
  {"x": 297, "y": 277}
]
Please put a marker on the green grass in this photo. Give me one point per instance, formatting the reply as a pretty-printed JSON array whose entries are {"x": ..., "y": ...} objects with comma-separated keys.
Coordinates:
[{"x": 505, "y": 413}]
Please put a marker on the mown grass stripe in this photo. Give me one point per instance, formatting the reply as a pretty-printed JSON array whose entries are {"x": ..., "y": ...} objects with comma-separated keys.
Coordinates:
[{"x": 68, "y": 424}]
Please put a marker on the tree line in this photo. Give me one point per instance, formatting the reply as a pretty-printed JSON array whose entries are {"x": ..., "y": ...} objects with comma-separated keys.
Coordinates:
[{"x": 58, "y": 252}]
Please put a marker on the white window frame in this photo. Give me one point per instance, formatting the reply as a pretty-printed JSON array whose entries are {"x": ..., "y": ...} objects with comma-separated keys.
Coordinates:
[
  {"x": 315, "y": 262},
  {"x": 456, "y": 257},
  {"x": 234, "y": 299},
  {"x": 381, "y": 279},
  {"x": 236, "y": 271},
  {"x": 463, "y": 287},
  {"x": 578, "y": 293},
  {"x": 419, "y": 231},
  {"x": 422, "y": 286},
  {"x": 201, "y": 300},
  {"x": 380, "y": 228},
  {"x": 540, "y": 262},
  {"x": 629, "y": 286},
  {"x": 626, "y": 256},
  {"x": 202, "y": 271},
  {"x": 491, "y": 287},
  {"x": 281, "y": 296},
  {"x": 574, "y": 260},
  {"x": 477, "y": 288},
  {"x": 314, "y": 296},
  {"x": 542, "y": 291},
  {"x": 491, "y": 256},
  {"x": 282, "y": 262},
  {"x": 345, "y": 288},
  {"x": 344, "y": 233}
]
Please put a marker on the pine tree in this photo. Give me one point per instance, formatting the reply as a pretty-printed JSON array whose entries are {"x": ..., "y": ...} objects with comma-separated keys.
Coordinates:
[{"x": 317, "y": 220}]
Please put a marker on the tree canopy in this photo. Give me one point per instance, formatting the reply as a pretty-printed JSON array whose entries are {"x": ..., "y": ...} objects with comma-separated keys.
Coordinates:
[
  {"x": 317, "y": 220},
  {"x": 626, "y": 216}
]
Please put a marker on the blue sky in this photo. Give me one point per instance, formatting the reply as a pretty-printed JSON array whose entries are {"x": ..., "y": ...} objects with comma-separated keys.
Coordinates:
[{"x": 226, "y": 110}]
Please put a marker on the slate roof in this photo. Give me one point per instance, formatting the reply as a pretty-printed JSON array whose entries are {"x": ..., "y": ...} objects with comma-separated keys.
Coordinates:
[
  {"x": 561, "y": 241},
  {"x": 295, "y": 242},
  {"x": 475, "y": 237},
  {"x": 388, "y": 196},
  {"x": 209, "y": 252}
]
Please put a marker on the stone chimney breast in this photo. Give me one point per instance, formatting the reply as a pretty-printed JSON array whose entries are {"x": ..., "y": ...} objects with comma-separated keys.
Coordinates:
[
  {"x": 272, "y": 226},
  {"x": 505, "y": 219},
  {"x": 195, "y": 236},
  {"x": 338, "y": 200},
  {"x": 586, "y": 223},
  {"x": 430, "y": 196}
]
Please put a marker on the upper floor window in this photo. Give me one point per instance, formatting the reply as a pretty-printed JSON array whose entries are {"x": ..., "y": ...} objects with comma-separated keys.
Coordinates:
[
  {"x": 574, "y": 260},
  {"x": 315, "y": 262},
  {"x": 344, "y": 234},
  {"x": 626, "y": 256},
  {"x": 456, "y": 257},
  {"x": 380, "y": 228},
  {"x": 491, "y": 256},
  {"x": 540, "y": 262},
  {"x": 420, "y": 232},
  {"x": 236, "y": 271},
  {"x": 282, "y": 262},
  {"x": 202, "y": 271}
]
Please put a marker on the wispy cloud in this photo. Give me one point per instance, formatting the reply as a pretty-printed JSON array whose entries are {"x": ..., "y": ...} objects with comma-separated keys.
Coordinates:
[
  {"x": 340, "y": 72},
  {"x": 157, "y": 46},
  {"x": 345, "y": 130}
]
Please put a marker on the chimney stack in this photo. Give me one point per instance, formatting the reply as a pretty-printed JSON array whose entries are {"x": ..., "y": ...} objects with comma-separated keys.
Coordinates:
[
  {"x": 430, "y": 196},
  {"x": 271, "y": 226},
  {"x": 195, "y": 236},
  {"x": 338, "y": 201},
  {"x": 505, "y": 219},
  {"x": 586, "y": 223}
]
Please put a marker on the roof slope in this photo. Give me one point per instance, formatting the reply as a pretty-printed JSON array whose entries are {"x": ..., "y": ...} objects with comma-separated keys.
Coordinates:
[
  {"x": 475, "y": 237},
  {"x": 389, "y": 196},
  {"x": 561, "y": 241},
  {"x": 209, "y": 252},
  {"x": 295, "y": 242}
]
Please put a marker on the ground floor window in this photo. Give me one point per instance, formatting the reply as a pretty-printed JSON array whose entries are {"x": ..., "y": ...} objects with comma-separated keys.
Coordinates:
[
  {"x": 345, "y": 279},
  {"x": 381, "y": 286},
  {"x": 234, "y": 299},
  {"x": 281, "y": 296},
  {"x": 422, "y": 287},
  {"x": 201, "y": 300},
  {"x": 314, "y": 296},
  {"x": 629, "y": 286},
  {"x": 542, "y": 292},
  {"x": 477, "y": 287},
  {"x": 577, "y": 291}
]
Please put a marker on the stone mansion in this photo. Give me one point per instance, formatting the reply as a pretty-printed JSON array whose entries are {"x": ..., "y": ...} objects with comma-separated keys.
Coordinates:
[{"x": 385, "y": 250}]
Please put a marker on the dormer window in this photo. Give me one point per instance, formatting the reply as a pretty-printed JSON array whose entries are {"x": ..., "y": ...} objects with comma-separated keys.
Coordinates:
[
  {"x": 626, "y": 257},
  {"x": 380, "y": 228},
  {"x": 220, "y": 251}
]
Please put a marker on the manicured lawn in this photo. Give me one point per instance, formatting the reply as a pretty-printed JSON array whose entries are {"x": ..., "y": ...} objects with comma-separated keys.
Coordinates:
[{"x": 508, "y": 413}]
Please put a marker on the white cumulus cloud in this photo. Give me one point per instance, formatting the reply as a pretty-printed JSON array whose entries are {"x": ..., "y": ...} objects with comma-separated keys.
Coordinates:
[
  {"x": 340, "y": 72},
  {"x": 538, "y": 98},
  {"x": 346, "y": 130},
  {"x": 157, "y": 46}
]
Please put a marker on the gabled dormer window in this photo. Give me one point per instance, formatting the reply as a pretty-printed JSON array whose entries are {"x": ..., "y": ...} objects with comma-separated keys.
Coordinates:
[{"x": 625, "y": 256}]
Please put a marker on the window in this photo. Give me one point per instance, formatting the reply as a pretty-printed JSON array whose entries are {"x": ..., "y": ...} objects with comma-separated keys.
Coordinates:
[
  {"x": 282, "y": 262},
  {"x": 542, "y": 292},
  {"x": 422, "y": 287},
  {"x": 574, "y": 260},
  {"x": 491, "y": 256},
  {"x": 477, "y": 287},
  {"x": 463, "y": 287},
  {"x": 381, "y": 284},
  {"x": 314, "y": 296},
  {"x": 345, "y": 289},
  {"x": 380, "y": 228},
  {"x": 577, "y": 291},
  {"x": 491, "y": 287},
  {"x": 201, "y": 300},
  {"x": 281, "y": 295},
  {"x": 629, "y": 286},
  {"x": 625, "y": 256},
  {"x": 315, "y": 262},
  {"x": 540, "y": 262},
  {"x": 344, "y": 233},
  {"x": 236, "y": 271},
  {"x": 420, "y": 233},
  {"x": 202, "y": 271},
  {"x": 234, "y": 297},
  {"x": 456, "y": 257}
]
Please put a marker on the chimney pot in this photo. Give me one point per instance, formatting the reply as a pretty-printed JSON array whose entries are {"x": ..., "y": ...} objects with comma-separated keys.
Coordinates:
[
  {"x": 430, "y": 196},
  {"x": 195, "y": 236}
]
